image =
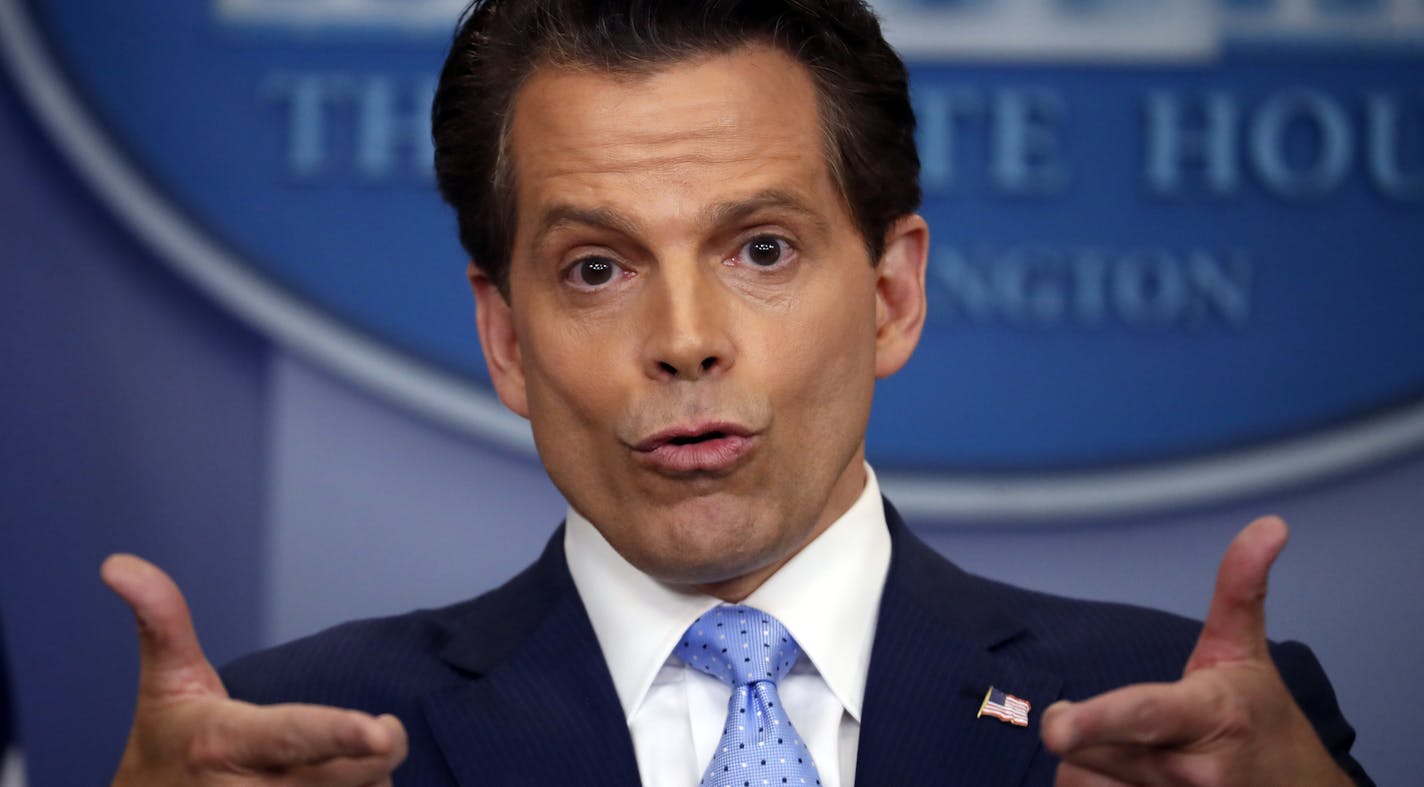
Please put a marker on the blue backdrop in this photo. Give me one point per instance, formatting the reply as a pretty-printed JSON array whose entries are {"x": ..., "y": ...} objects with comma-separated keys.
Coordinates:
[{"x": 1119, "y": 289}]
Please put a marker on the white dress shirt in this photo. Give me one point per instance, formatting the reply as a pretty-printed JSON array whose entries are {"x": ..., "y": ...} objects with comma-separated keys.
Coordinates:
[{"x": 827, "y": 596}]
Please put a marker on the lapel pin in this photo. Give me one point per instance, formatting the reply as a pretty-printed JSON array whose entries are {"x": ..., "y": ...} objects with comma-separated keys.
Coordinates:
[{"x": 1004, "y": 707}]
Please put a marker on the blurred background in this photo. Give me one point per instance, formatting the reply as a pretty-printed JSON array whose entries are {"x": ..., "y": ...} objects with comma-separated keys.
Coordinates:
[{"x": 1175, "y": 284}]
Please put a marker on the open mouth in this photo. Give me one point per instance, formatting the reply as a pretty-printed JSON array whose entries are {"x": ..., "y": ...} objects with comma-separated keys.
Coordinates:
[
  {"x": 694, "y": 435},
  {"x": 697, "y": 438}
]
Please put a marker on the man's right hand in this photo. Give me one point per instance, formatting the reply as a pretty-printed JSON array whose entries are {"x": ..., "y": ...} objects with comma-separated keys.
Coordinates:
[{"x": 186, "y": 731}]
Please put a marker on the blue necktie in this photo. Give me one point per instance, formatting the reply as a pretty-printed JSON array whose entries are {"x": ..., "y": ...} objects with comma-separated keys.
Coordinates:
[{"x": 750, "y": 651}]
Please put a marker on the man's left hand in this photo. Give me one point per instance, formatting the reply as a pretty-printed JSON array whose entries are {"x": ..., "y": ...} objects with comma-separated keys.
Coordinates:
[{"x": 1229, "y": 721}]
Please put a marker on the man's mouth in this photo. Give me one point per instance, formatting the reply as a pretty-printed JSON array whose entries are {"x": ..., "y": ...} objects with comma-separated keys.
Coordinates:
[
  {"x": 695, "y": 448},
  {"x": 698, "y": 438}
]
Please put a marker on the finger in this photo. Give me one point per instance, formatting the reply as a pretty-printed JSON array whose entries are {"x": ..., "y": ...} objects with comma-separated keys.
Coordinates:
[
  {"x": 1073, "y": 775},
  {"x": 363, "y": 772},
  {"x": 1118, "y": 765},
  {"x": 1147, "y": 714},
  {"x": 171, "y": 660},
  {"x": 398, "y": 734},
  {"x": 1131, "y": 765},
  {"x": 1235, "y": 627},
  {"x": 287, "y": 737}
]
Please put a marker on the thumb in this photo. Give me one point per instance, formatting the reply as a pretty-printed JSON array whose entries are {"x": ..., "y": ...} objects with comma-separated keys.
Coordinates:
[
  {"x": 1235, "y": 627},
  {"x": 171, "y": 662}
]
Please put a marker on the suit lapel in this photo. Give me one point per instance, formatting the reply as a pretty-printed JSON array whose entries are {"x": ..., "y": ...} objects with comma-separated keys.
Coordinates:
[
  {"x": 538, "y": 706},
  {"x": 940, "y": 643}
]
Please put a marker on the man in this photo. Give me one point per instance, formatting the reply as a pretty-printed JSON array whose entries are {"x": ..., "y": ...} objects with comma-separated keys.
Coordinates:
[{"x": 694, "y": 251}]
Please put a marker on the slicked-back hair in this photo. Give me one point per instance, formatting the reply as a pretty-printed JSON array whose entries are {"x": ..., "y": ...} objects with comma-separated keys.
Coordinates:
[{"x": 861, "y": 85}]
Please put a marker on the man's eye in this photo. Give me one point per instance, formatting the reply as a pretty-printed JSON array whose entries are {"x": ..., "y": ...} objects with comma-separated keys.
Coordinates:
[
  {"x": 591, "y": 272},
  {"x": 765, "y": 251}
]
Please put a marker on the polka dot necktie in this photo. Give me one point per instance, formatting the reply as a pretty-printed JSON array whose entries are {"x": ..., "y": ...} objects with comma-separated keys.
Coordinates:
[{"x": 750, "y": 650}]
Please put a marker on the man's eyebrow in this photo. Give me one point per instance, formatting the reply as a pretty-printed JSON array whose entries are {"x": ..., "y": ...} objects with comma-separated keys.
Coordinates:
[
  {"x": 770, "y": 199},
  {"x": 563, "y": 215}
]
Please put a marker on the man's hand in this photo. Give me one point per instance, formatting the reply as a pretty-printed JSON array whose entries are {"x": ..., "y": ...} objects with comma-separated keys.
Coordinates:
[
  {"x": 1228, "y": 721},
  {"x": 186, "y": 731}
]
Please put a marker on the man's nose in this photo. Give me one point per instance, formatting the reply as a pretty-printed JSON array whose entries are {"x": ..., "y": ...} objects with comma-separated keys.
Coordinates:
[{"x": 688, "y": 332}]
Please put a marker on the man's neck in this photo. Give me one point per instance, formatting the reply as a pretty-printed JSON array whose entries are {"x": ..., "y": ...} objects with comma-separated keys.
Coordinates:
[{"x": 736, "y": 589}]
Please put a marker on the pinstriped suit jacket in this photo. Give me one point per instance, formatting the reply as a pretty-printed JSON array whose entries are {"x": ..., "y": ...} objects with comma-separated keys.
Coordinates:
[{"x": 511, "y": 688}]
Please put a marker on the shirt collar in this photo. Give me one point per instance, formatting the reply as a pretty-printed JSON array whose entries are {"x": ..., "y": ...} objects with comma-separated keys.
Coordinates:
[{"x": 827, "y": 596}]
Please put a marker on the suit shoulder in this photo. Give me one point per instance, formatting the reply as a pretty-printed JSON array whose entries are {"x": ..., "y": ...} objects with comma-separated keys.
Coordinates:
[
  {"x": 1100, "y": 644},
  {"x": 1090, "y": 623},
  {"x": 399, "y": 657},
  {"x": 1095, "y": 645},
  {"x": 352, "y": 660},
  {"x": 393, "y": 658}
]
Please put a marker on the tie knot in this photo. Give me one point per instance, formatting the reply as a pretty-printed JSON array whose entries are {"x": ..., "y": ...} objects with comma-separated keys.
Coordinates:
[{"x": 739, "y": 646}]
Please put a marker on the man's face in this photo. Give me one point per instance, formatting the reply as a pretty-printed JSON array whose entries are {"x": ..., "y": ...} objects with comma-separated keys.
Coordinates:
[{"x": 693, "y": 327}]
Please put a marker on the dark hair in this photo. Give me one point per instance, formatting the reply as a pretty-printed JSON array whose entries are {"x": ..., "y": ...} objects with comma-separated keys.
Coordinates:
[{"x": 861, "y": 85}]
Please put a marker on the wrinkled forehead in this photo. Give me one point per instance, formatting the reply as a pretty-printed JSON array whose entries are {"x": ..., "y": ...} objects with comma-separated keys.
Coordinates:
[{"x": 718, "y": 122}]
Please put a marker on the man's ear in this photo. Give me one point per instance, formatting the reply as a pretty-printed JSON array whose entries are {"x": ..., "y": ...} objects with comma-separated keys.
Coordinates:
[
  {"x": 900, "y": 293},
  {"x": 500, "y": 341}
]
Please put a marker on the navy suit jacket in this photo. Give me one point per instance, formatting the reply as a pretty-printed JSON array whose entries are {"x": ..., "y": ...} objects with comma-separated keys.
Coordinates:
[{"x": 511, "y": 688}]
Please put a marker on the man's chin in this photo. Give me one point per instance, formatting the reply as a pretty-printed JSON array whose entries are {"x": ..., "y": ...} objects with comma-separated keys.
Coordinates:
[
  {"x": 692, "y": 573},
  {"x": 712, "y": 559},
  {"x": 703, "y": 540}
]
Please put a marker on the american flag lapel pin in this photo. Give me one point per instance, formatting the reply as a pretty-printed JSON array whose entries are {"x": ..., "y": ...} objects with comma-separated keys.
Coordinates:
[{"x": 1004, "y": 707}]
